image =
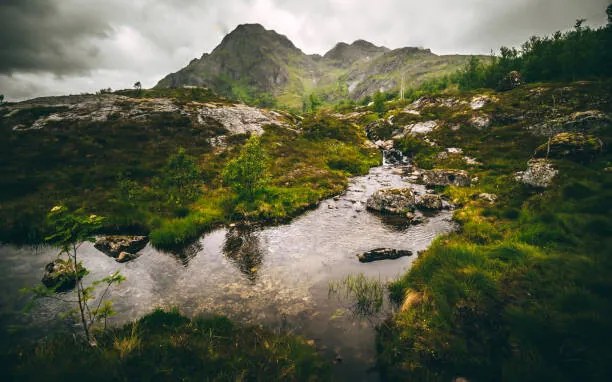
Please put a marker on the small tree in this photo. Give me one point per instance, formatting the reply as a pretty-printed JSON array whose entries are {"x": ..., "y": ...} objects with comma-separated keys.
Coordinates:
[
  {"x": 247, "y": 173},
  {"x": 69, "y": 231},
  {"x": 181, "y": 178},
  {"x": 379, "y": 103},
  {"x": 138, "y": 87},
  {"x": 1, "y": 99}
]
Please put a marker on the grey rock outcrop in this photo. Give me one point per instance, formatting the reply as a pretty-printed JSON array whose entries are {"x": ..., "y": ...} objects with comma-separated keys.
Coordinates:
[
  {"x": 539, "y": 173},
  {"x": 445, "y": 177}
]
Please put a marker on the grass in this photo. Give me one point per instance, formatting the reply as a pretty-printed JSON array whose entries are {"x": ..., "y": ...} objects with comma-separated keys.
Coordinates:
[
  {"x": 168, "y": 346},
  {"x": 522, "y": 290},
  {"x": 367, "y": 295},
  {"x": 98, "y": 166}
]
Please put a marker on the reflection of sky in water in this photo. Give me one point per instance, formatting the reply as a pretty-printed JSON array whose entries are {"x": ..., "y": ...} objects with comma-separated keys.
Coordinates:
[{"x": 275, "y": 275}]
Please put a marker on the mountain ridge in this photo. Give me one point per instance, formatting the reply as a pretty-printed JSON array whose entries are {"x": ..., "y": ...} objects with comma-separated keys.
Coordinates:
[{"x": 252, "y": 61}]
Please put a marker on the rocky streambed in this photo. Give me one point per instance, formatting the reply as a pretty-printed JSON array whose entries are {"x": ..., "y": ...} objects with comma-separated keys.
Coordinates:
[{"x": 278, "y": 276}]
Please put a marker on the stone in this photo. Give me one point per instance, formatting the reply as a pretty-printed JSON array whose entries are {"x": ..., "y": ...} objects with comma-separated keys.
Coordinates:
[
  {"x": 382, "y": 254},
  {"x": 583, "y": 122},
  {"x": 421, "y": 127},
  {"x": 480, "y": 101},
  {"x": 572, "y": 145},
  {"x": 396, "y": 201},
  {"x": 394, "y": 156},
  {"x": 539, "y": 173},
  {"x": 429, "y": 202},
  {"x": 60, "y": 275},
  {"x": 480, "y": 121},
  {"x": 490, "y": 198},
  {"x": 114, "y": 245},
  {"x": 124, "y": 257},
  {"x": 415, "y": 217},
  {"x": 445, "y": 177},
  {"x": 511, "y": 80}
]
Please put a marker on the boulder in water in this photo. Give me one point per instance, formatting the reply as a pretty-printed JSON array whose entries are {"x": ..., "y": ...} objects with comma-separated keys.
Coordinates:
[
  {"x": 60, "y": 275},
  {"x": 382, "y": 254},
  {"x": 114, "y": 245},
  {"x": 392, "y": 201}
]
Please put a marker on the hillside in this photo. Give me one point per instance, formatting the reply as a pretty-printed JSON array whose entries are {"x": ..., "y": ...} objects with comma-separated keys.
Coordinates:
[{"x": 252, "y": 63}]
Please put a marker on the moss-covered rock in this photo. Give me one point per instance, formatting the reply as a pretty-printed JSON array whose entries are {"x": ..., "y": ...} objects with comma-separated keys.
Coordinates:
[
  {"x": 61, "y": 276},
  {"x": 396, "y": 201},
  {"x": 571, "y": 145}
]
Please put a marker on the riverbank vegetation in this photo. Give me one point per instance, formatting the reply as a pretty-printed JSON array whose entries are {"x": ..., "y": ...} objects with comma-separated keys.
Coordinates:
[
  {"x": 164, "y": 177},
  {"x": 168, "y": 346},
  {"x": 522, "y": 290}
]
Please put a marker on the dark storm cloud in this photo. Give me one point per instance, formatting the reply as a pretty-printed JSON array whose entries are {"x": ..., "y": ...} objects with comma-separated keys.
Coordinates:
[
  {"x": 68, "y": 46},
  {"x": 43, "y": 36}
]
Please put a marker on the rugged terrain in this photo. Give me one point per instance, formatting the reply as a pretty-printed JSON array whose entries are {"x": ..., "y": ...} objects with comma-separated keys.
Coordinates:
[{"x": 252, "y": 61}]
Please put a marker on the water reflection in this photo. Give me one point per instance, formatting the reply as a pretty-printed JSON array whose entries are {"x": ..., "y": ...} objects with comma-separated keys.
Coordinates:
[
  {"x": 188, "y": 252},
  {"x": 242, "y": 246}
]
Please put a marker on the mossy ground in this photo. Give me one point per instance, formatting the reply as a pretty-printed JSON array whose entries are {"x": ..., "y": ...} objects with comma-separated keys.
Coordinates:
[
  {"x": 94, "y": 165},
  {"x": 165, "y": 346},
  {"x": 523, "y": 290}
]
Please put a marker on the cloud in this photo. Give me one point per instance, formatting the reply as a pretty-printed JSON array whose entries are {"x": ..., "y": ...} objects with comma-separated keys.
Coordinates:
[{"x": 50, "y": 47}]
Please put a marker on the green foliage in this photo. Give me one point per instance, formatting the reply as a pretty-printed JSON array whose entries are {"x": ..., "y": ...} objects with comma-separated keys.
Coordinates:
[
  {"x": 379, "y": 103},
  {"x": 582, "y": 53},
  {"x": 68, "y": 231},
  {"x": 168, "y": 346},
  {"x": 247, "y": 174},
  {"x": 180, "y": 178},
  {"x": 366, "y": 295},
  {"x": 522, "y": 280}
]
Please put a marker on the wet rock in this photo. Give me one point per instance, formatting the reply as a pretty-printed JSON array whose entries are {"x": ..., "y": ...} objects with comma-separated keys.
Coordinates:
[
  {"x": 539, "y": 173},
  {"x": 480, "y": 121},
  {"x": 384, "y": 145},
  {"x": 429, "y": 202},
  {"x": 60, "y": 274},
  {"x": 382, "y": 254},
  {"x": 114, "y": 245},
  {"x": 124, "y": 257},
  {"x": 394, "y": 156},
  {"x": 444, "y": 177},
  {"x": 415, "y": 217},
  {"x": 512, "y": 80},
  {"x": 571, "y": 145},
  {"x": 392, "y": 201}
]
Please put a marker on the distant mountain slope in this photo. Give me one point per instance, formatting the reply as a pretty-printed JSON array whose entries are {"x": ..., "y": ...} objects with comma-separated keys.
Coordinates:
[{"x": 252, "y": 62}]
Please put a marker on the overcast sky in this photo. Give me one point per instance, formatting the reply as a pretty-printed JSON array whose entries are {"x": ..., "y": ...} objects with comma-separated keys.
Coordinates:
[{"x": 51, "y": 47}]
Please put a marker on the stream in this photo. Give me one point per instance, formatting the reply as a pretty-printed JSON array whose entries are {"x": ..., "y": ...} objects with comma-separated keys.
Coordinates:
[{"x": 276, "y": 276}]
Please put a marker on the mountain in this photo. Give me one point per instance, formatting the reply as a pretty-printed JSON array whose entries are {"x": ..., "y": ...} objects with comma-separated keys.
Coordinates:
[{"x": 253, "y": 63}]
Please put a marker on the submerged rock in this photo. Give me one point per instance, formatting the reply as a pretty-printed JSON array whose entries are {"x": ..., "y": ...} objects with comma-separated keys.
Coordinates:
[
  {"x": 539, "y": 173},
  {"x": 60, "y": 275},
  {"x": 113, "y": 246},
  {"x": 573, "y": 145},
  {"x": 382, "y": 254},
  {"x": 445, "y": 177},
  {"x": 392, "y": 201}
]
